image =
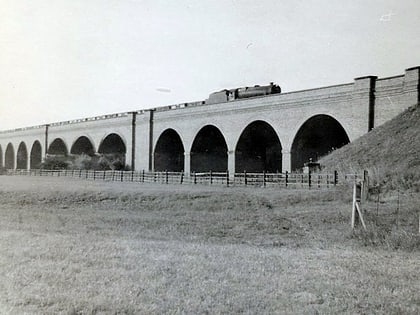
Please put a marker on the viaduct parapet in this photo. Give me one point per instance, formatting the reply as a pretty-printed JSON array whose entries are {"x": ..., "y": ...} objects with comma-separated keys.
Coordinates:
[{"x": 272, "y": 132}]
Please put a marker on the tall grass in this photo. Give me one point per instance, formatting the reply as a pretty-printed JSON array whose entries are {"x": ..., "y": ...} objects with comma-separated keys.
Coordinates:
[{"x": 390, "y": 152}]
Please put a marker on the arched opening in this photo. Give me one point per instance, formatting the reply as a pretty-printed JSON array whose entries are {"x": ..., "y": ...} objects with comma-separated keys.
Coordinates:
[
  {"x": 258, "y": 149},
  {"x": 209, "y": 151},
  {"x": 318, "y": 136},
  {"x": 112, "y": 144},
  {"x": 9, "y": 162},
  {"x": 82, "y": 146},
  {"x": 36, "y": 155},
  {"x": 113, "y": 152},
  {"x": 58, "y": 147},
  {"x": 22, "y": 157},
  {"x": 169, "y": 152}
]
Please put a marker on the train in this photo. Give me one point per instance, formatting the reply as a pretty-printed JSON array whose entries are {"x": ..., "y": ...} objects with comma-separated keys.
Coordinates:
[{"x": 242, "y": 92}]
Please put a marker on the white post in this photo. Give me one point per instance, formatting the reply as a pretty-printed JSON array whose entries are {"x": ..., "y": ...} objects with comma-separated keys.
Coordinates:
[
  {"x": 231, "y": 164},
  {"x": 187, "y": 163},
  {"x": 286, "y": 163}
]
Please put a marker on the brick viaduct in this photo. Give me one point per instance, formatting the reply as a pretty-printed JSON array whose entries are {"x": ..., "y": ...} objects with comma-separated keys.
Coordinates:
[{"x": 277, "y": 132}]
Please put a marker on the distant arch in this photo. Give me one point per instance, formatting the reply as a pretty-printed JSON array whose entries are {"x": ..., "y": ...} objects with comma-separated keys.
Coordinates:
[
  {"x": 317, "y": 136},
  {"x": 58, "y": 147},
  {"x": 9, "y": 159},
  {"x": 36, "y": 155},
  {"x": 209, "y": 151},
  {"x": 22, "y": 157},
  {"x": 169, "y": 152},
  {"x": 114, "y": 149},
  {"x": 258, "y": 149},
  {"x": 112, "y": 144},
  {"x": 82, "y": 146}
]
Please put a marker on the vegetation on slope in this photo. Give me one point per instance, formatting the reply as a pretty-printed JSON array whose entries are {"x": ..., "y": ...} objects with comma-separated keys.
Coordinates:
[{"x": 390, "y": 152}]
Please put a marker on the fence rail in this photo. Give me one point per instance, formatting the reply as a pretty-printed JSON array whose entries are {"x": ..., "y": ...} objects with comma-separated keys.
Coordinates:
[{"x": 292, "y": 180}]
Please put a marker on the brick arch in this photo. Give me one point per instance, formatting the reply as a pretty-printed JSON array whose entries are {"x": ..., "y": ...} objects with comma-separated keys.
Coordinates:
[
  {"x": 58, "y": 147},
  {"x": 168, "y": 153},
  {"x": 258, "y": 148},
  {"x": 83, "y": 145},
  {"x": 317, "y": 136},
  {"x": 36, "y": 155},
  {"x": 9, "y": 157},
  {"x": 209, "y": 150},
  {"x": 112, "y": 142},
  {"x": 22, "y": 156}
]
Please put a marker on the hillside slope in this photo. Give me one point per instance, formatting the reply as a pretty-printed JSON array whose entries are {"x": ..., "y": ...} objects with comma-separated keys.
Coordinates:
[{"x": 390, "y": 152}]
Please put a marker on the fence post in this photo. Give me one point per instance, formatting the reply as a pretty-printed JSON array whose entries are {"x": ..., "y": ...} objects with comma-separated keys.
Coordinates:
[
  {"x": 113, "y": 175},
  {"x": 182, "y": 177},
  {"x": 166, "y": 177},
  {"x": 264, "y": 179},
  {"x": 245, "y": 179},
  {"x": 211, "y": 178},
  {"x": 87, "y": 174},
  {"x": 142, "y": 176},
  {"x": 365, "y": 185},
  {"x": 94, "y": 175},
  {"x": 122, "y": 176},
  {"x": 227, "y": 178},
  {"x": 132, "y": 176},
  {"x": 335, "y": 178},
  {"x": 195, "y": 178},
  {"x": 80, "y": 173},
  {"x": 287, "y": 179},
  {"x": 309, "y": 179}
]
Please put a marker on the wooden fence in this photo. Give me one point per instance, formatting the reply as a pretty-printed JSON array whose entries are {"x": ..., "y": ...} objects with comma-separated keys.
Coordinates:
[{"x": 292, "y": 180}]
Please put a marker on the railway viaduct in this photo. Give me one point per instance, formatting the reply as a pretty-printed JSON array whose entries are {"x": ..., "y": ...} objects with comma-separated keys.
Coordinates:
[{"x": 277, "y": 132}]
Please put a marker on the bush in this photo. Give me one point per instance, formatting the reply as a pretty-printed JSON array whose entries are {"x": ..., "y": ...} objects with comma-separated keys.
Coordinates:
[
  {"x": 55, "y": 163},
  {"x": 83, "y": 162},
  {"x": 86, "y": 162}
]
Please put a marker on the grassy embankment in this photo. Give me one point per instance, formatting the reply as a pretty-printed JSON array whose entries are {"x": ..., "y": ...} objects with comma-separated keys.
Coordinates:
[
  {"x": 390, "y": 152},
  {"x": 79, "y": 247}
]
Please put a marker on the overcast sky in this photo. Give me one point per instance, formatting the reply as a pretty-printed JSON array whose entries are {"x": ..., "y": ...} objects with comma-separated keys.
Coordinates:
[{"x": 67, "y": 59}]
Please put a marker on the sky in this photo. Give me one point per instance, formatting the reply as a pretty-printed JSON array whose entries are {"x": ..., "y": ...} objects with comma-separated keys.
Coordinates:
[{"x": 68, "y": 59}]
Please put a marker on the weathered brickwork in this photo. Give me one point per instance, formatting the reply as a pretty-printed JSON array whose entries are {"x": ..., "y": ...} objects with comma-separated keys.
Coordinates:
[{"x": 357, "y": 107}]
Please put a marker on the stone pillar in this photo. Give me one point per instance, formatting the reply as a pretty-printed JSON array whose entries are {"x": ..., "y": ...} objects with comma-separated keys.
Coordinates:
[
  {"x": 364, "y": 95},
  {"x": 187, "y": 163},
  {"x": 151, "y": 121},
  {"x": 412, "y": 85},
  {"x": 28, "y": 160},
  {"x": 231, "y": 163},
  {"x": 286, "y": 163},
  {"x": 152, "y": 161},
  {"x": 131, "y": 152}
]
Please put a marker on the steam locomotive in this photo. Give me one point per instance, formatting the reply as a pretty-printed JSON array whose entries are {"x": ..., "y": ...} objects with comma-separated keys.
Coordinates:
[{"x": 243, "y": 92}]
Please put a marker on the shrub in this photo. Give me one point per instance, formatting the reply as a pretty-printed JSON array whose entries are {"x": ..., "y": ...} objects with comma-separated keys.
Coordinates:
[
  {"x": 55, "y": 163},
  {"x": 83, "y": 162}
]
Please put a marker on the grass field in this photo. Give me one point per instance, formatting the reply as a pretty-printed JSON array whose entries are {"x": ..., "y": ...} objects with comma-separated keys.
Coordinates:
[{"x": 77, "y": 247}]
